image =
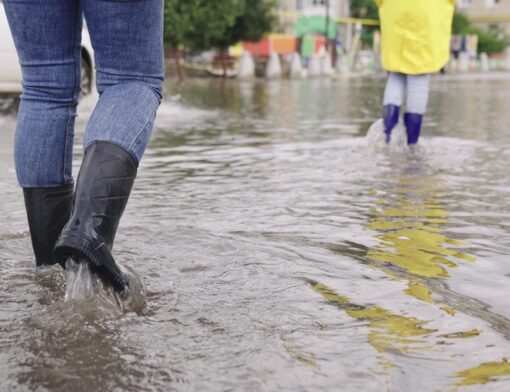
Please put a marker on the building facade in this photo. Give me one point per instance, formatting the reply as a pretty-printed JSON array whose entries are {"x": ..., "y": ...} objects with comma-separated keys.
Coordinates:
[
  {"x": 291, "y": 9},
  {"x": 486, "y": 12},
  {"x": 337, "y": 8}
]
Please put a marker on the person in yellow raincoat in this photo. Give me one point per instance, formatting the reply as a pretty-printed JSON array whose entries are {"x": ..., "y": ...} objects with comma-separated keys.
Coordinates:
[{"x": 416, "y": 38}]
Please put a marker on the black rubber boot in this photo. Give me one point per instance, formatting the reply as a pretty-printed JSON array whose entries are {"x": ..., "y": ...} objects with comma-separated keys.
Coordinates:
[
  {"x": 48, "y": 210},
  {"x": 105, "y": 181}
]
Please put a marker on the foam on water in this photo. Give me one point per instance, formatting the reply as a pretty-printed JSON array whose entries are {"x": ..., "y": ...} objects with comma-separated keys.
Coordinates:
[
  {"x": 85, "y": 288},
  {"x": 172, "y": 112},
  {"x": 376, "y": 138}
]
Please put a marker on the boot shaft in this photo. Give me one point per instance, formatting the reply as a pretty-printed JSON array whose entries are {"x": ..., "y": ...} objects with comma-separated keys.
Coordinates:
[
  {"x": 413, "y": 123},
  {"x": 104, "y": 184},
  {"x": 48, "y": 210},
  {"x": 106, "y": 177},
  {"x": 390, "y": 116}
]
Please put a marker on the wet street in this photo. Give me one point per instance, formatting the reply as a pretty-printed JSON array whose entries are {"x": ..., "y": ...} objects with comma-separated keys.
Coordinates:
[{"x": 281, "y": 249}]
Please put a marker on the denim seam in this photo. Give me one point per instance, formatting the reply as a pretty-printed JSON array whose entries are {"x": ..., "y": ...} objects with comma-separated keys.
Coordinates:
[
  {"x": 77, "y": 59},
  {"x": 151, "y": 119},
  {"x": 47, "y": 63},
  {"x": 66, "y": 145}
]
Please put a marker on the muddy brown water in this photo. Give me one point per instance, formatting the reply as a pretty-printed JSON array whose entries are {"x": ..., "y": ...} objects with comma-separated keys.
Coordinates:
[{"x": 281, "y": 252}]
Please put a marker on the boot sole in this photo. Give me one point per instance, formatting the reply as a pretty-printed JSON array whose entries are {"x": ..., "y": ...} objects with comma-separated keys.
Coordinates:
[{"x": 100, "y": 258}]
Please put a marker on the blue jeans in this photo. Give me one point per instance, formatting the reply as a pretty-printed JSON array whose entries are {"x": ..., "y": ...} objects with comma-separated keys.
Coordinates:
[
  {"x": 127, "y": 36},
  {"x": 417, "y": 87}
]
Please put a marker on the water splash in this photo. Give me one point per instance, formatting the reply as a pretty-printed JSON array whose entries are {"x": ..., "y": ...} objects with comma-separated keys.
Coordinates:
[
  {"x": 85, "y": 289},
  {"x": 376, "y": 138}
]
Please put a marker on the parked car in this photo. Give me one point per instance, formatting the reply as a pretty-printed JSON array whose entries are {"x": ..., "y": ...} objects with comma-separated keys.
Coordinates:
[{"x": 10, "y": 72}]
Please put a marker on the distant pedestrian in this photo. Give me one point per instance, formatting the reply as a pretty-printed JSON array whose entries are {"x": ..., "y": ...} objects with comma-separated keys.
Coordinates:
[
  {"x": 415, "y": 43},
  {"x": 127, "y": 38},
  {"x": 456, "y": 46}
]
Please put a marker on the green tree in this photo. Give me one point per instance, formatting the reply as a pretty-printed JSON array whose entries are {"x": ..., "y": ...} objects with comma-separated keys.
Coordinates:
[
  {"x": 256, "y": 20},
  {"x": 492, "y": 40},
  {"x": 366, "y": 9},
  {"x": 178, "y": 25},
  {"x": 488, "y": 42},
  {"x": 460, "y": 23},
  {"x": 211, "y": 20},
  {"x": 197, "y": 24},
  {"x": 206, "y": 24}
]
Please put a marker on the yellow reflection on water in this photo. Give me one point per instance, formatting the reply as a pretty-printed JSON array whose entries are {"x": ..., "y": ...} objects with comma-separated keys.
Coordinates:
[
  {"x": 485, "y": 373},
  {"x": 409, "y": 220},
  {"x": 388, "y": 331}
]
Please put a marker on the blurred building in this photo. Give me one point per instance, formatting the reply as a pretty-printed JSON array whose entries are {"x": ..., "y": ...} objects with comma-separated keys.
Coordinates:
[
  {"x": 337, "y": 8},
  {"x": 290, "y": 10},
  {"x": 484, "y": 8},
  {"x": 486, "y": 12}
]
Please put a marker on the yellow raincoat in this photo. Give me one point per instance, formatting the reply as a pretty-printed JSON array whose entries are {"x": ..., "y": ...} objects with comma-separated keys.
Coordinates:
[{"x": 415, "y": 34}]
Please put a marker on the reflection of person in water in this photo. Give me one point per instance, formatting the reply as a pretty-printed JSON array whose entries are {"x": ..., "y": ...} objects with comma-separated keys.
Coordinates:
[
  {"x": 408, "y": 221},
  {"x": 415, "y": 43},
  {"x": 413, "y": 247},
  {"x": 127, "y": 37},
  {"x": 388, "y": 331}
]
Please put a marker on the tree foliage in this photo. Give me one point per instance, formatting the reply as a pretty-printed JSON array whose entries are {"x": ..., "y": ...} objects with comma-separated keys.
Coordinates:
[
  {"x": 204, "y": 24},
  {"x": 460, "y": 23},
  {"x": 364, "y": 9},
  {"x": 491, "y": 40},
  {"x": 256, "y": 20},
  {"x": 176, "y": 21},
  {"x": 211, "y": 21}
]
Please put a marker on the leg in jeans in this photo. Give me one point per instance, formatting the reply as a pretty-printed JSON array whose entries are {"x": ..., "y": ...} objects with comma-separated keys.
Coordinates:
[
  {"x": 127, "y": 37},
  {"x": 418, "y": 87},
  {"x": 47, "y": 34},
  {"x": 128, "y": 46},
  {"x": 417, "y": 99},
  {"x": 395, "y": 91},
  {"x": 393, "y": 99}
]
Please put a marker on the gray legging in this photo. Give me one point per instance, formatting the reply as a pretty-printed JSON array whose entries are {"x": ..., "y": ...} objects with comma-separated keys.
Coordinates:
[{"x": 417, "y": 87}]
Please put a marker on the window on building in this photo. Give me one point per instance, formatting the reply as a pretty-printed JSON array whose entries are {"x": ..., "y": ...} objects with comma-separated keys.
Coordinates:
[
  {"x": 464, "y": 3},
  {"x": 492, "y": 3},
  {"x": 301, "y": 4}
]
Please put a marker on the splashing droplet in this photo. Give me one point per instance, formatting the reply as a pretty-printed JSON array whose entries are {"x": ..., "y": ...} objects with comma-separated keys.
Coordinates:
[{"x": 88, "y": 291}]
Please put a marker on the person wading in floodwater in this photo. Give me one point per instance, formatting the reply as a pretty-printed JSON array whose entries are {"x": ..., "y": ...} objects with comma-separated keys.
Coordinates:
[
  {"x": 127, "y": 36},
  {"x": 415, "y": 43}
]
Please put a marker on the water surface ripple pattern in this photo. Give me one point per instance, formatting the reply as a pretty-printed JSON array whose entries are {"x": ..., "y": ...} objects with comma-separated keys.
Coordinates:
[{"x": 280, "y": 252}]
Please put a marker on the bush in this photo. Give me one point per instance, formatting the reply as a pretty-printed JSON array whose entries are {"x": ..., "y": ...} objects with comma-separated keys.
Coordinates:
[
  {"x": 492, "y": 40},
  {"x": 487, "y": 42},
  {"x": 461, "y": 23}
]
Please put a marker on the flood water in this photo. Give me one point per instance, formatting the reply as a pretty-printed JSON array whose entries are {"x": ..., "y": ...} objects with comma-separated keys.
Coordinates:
[{"x": 279, "y": 251}]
